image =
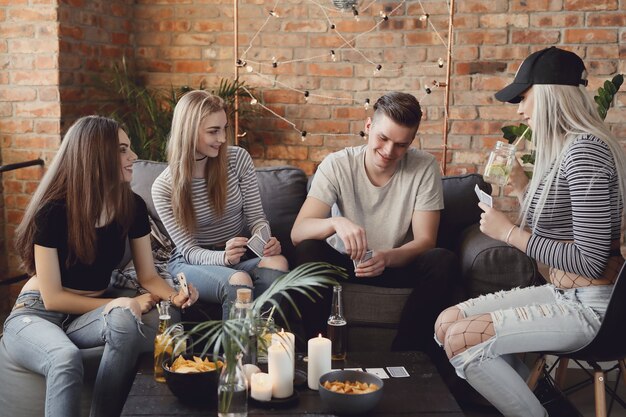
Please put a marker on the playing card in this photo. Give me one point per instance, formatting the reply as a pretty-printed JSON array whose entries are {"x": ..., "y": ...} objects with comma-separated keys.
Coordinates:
[
  {"x": 483, "y": 196},
  {"x": 256, "y": 244},
  {"x": 353, "y": 369},
  {"x": 264, "y": 232},
  {"x": 379, "y": 372},
  {"x": 182, "y": 280},
  {"x": 367, "y": 256},
  {"x": 397, "y": 371}
]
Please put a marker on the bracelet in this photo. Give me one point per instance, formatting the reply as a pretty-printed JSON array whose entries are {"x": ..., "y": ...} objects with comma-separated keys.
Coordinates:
[
  {"x": 226, "y": 260},
  {"x": 508, "y": 235}
]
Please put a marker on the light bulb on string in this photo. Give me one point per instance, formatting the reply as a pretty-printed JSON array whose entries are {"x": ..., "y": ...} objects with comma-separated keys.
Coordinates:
[
  {"x": 254, "y": 101},
  {"x": 332, "y": 55},
  {"x": 332, "y": 26},
  {"x": 383, "y": 15},
  {"x": 366, "y": 104},
  {"x": 241, "y": 63},
  {"x": 440, "y": 62},
  {"x": 362, "y": 134},
  {"x": 306, "y": 96},
  {"x": 303, "y": 135},
  {"x": 427, "y": 89},
  {"x": 249, "y": 68},
  {"x": 378, "y": 68},
  {"x": 273, "y": 13},
  {"x": 424, "y": 17},
  {"x": 355, "y": 12},
  {"x": 274, "y": 62}
]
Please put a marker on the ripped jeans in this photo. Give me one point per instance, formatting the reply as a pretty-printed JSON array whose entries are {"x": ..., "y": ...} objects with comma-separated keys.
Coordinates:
[
  {"x": 48, "y": 343},
  {"x": 533, "y": 319}
]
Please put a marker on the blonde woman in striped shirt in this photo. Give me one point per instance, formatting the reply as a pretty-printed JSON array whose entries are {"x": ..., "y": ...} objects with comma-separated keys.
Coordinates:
[
  {"x": 205, "y": 198},
  {"x": 572, "y": 215}
]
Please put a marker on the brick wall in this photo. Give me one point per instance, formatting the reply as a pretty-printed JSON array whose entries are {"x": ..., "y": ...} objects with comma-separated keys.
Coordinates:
[
  {"x": 29, "y": 104},
  {"x": 47, "y": 74}
]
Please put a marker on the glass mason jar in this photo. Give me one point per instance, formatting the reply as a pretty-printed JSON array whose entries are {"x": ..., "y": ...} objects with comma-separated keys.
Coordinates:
[
  {"x": 232, "y": 390},
  {"x": 499, "y": 164}
]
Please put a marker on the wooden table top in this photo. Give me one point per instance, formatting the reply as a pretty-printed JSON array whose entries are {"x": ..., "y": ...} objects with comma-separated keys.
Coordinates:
[{"x": 421, "y": 394}]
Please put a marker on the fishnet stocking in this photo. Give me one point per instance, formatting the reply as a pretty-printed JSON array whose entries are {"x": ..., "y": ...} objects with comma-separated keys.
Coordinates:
[
  {"x": 564, "y": 279},
  {"x": 447, "y": 318},
  {"x": 468, "y": 332}
]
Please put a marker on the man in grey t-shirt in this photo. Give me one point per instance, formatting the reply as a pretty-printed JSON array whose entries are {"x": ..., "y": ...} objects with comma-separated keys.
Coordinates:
[{"x": 385, "y": 199}]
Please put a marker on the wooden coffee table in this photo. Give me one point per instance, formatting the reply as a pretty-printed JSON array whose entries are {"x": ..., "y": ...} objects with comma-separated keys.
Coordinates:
[{"x": 421, "y": 394}]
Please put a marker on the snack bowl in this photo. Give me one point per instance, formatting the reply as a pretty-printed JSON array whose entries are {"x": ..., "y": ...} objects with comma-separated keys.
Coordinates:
[
  {"x": 195, "y": 388},
  {"x": 350, "y": 403}
]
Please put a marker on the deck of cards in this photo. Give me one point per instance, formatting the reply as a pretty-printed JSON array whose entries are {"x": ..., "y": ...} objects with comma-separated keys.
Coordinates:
[
  {"x": 483, "y": 196},
  {"x": 366, "y": 257},
  {"x": 258, "y": 241}
]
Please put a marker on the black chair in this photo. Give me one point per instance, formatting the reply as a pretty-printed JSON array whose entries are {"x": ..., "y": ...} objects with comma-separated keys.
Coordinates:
[{"x": 609, "y": 345}]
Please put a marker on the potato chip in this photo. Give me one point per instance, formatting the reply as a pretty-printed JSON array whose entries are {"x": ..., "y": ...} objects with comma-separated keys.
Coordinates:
[
  {"x": 194, "y": 365},
  {"x": 348, "y": 387}
]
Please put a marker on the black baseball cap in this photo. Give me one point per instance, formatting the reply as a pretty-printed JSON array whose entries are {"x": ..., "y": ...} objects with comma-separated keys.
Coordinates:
[{"x": 548, "y": 66}]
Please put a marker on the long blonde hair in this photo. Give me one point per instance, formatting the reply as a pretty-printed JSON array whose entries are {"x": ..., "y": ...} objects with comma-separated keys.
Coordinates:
[
  {"x": 86, "y": 175},
  {"x": 561, "y": 113},
  {"x": 189, "y": 113}
]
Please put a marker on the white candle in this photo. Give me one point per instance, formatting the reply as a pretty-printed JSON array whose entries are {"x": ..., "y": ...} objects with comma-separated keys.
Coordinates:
[
  {"x": 280, "y": 370},
  {"x": 288, "y": 340},
  {"x": 319, "y": 353},
  {"x": 261, "y": 386}
]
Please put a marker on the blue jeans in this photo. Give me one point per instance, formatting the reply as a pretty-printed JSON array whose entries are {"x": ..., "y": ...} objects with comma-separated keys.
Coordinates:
[
  {"x": 212, "y": 281},
  {"x": 533, "y": 319},
  {"x": 48, "y": 343}
]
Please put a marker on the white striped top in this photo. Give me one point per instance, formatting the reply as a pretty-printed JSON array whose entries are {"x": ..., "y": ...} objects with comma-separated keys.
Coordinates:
[
  {"x": 583, "y": 207},
  {"x": 243, "y": 206}
]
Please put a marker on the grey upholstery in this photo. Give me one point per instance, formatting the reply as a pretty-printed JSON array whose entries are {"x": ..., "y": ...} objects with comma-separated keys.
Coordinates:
[{"x": 373, "y": 312}]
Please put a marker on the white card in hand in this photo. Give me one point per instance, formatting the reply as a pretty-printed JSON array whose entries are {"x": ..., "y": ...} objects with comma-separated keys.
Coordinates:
[
  {"x": 366, "y": 257},
  {"x": 483, "y": 197},
  {"x": 256, "y": 244},
  {"x": 379, "y": 372}
]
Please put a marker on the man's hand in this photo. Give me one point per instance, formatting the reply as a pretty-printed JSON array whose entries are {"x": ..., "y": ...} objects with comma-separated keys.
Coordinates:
[
  {"x": 353, "y": 237},
  {"x": 373, "y": 267}
]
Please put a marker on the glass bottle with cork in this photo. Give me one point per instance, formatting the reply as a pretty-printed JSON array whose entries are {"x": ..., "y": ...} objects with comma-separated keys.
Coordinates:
[
  {"x": 337, "y": 326},
  {"x": 242, "y": 310}
]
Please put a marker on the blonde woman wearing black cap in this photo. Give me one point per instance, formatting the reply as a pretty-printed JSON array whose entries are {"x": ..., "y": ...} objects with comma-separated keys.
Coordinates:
[{"x": 571, "y": 218}]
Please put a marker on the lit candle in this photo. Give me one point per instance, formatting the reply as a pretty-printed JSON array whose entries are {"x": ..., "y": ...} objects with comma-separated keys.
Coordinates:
[
  {"x": 280, "y": 370},
  {"x": 288, "y": 340},
  {"x": 261, "y": 387},
  {"x": 319, "y": 353}
]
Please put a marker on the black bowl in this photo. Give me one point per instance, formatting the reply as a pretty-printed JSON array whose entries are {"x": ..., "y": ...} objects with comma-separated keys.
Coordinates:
[
  {"x": 350, "y": 403},
  {"x": 194, "y": 388}
]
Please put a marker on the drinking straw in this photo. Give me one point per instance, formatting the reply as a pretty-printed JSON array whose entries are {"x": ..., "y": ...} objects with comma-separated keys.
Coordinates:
[{"x": 517, "y": 141}]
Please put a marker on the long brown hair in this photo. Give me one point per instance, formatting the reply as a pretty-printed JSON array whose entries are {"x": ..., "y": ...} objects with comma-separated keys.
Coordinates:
[
  {"x": 86, "y": 175},
  {"x": 189, "y": 113}
]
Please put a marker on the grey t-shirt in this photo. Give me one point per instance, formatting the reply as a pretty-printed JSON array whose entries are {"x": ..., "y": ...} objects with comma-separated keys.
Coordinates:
[{"x": 384, "y": 212}]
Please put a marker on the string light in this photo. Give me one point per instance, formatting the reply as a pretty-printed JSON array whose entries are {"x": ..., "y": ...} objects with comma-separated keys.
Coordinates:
[
  {"x": 303, "y": 135},
  {"x": 345, "y": 43}
]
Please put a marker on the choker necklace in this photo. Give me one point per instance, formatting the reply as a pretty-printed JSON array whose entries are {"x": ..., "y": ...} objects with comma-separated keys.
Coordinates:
[{"x": 202, "y": 159}]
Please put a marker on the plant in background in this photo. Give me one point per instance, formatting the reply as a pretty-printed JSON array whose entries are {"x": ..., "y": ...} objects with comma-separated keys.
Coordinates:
[
  {"x": 147, "y": 112},
  {"x": 604, "y": 100}
]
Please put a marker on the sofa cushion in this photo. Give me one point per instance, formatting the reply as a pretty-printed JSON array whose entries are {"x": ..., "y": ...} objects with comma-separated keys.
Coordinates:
[
  {"x": 460, "y": 207},
  {"x": 144, "y": 174}
]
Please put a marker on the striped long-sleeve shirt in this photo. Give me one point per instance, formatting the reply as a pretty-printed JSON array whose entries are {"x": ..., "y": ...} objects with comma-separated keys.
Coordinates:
[
  {"x": 582, "y": 213},
  {"x": 243, "y": 205}
]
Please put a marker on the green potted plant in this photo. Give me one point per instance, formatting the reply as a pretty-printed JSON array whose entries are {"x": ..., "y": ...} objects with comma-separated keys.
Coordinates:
[{"x": 229, "y": 338}]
